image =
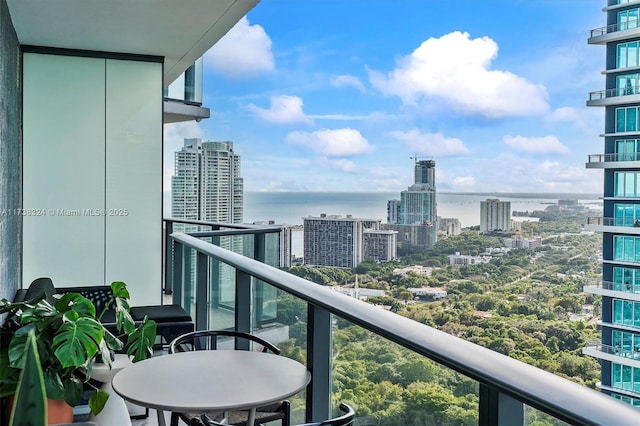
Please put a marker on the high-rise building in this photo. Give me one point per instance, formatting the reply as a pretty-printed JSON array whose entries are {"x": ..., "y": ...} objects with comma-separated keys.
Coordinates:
[
  {"x": 417, "y": 205},
  {"x": 380, "y": 245},
  {"x": 331, "y": 240},
  {"x": 619, "y": 348},
  {"x": 207, "y": 184},
  {"x": 495, "y": 215}
]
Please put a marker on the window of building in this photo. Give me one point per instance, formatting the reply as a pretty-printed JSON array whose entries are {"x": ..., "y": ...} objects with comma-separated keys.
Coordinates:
[
  {"x": 626, "y": 312},
  {"x": 625, "y": 377},
  {"x": 628, "y": 55},
  {"x": 628, "y": 84},
  {"x": 628, "y": 19},
  {"x": 627, "y": 119},
  {"x": 627, "y": 149},
  {"x": 626, "y": 279},
  {"x": 627, "y": 184},
  {"x": 626, "y": 214}
]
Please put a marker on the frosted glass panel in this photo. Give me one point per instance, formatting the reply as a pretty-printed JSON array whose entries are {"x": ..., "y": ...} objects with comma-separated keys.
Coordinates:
[
  {"x": 64, "y": 171},
  {"x": 134, "y": 178}
]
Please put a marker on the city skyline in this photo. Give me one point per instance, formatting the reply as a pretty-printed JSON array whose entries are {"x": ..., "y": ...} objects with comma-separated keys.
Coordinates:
[{"x": 332, "y": 96}]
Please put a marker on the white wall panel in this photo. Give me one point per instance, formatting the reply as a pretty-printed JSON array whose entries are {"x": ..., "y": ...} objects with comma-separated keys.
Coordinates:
[
  {"x": 64, "y": 170},
  {"x": 133, "y": 183}
]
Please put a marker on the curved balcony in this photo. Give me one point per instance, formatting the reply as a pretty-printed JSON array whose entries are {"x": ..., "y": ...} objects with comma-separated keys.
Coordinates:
[
  {"x": 613, "y": 225},
  {"x": 615, "y": 96},
  {"x": 613, "y": 161},
  {"x": 505, "y": 384},
  {"x": 614, "y": 32}
]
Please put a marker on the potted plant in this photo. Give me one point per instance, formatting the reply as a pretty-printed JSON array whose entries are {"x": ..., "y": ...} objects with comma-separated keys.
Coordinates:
[{"x": 70, "y": 338}]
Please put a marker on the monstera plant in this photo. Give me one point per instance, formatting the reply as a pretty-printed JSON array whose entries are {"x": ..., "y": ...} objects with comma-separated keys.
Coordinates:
[{"x": 69, "y": 338}]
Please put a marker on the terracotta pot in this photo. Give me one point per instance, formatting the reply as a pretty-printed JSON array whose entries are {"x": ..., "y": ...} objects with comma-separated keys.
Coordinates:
[{"x": 58, "y": 411}]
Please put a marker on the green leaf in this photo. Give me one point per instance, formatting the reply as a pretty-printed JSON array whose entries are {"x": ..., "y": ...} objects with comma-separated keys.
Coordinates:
[
  {"x": 30, "y": 407},
  {"x": 142, "y": 339},
  {"x": 119, "y": 290},
  {"x": 17, "y": 346},
  {"x": 77, "y": 341},
  {"x": 97, "y": 401},
  {"x": 73, "y": 389},
  {"x": 123, "y": 317},
  {"x": 77, "y": 303},
  {"x": 53, "y": 384},
  {"x": 112, "y": 341}
]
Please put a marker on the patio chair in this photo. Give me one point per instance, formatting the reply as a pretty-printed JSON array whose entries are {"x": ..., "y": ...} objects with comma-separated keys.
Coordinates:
[
  {"x": 345, "y": 419},
  {"x": 213, "y": 340}
]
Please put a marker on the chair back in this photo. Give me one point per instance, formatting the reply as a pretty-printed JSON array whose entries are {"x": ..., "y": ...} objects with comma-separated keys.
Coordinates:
[
  {"x": 220, "y": 339},
  {"x": 346, "y": 419}
]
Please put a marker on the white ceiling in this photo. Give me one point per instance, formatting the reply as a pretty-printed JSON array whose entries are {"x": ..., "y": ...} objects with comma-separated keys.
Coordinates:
[{"x": 179, "y": 30}]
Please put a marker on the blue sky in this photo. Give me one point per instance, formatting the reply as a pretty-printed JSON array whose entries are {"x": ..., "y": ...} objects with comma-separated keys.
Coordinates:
[{"x": 338, "y": 95}]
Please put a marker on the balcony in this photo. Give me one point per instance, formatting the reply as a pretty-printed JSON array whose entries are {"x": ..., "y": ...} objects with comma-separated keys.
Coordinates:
[
  {"x": 615, "y": 4},
  {"x": 607, "y": 288},
  {"x": 616, "y": 96},
  {"x": 613, "y": 161},
  {"x": 505, "y": 387},
  {"x": 614, "y": 32},
  {"x": 620, "y": 355},
  {"x": 613, "y": 225}
]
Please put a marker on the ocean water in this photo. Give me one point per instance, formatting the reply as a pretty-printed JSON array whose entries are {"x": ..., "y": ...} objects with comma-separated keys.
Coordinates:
[{"x": 290, "y": 207}]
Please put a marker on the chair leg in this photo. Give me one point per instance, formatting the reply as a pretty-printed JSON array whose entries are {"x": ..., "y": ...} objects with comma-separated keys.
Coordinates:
[
  {"x": 174, "y": 419},
  {"x": 286, "y": 407}
]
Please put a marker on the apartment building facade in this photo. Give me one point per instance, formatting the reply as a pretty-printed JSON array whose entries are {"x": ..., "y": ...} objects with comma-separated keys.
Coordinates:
[
  {"x": 495, "y": 215},
  {"x": 207, "y": 184},
  {"x": 619, "y": 348}
]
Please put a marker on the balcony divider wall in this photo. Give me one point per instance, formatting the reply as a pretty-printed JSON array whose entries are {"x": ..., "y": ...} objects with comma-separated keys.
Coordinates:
[{"x": 92, "y": 169}]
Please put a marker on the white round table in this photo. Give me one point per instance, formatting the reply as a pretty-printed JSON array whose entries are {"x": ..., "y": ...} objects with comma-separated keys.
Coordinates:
[
  {"x": 211, "y": 380},
  {"x": 115, "y": 411}
]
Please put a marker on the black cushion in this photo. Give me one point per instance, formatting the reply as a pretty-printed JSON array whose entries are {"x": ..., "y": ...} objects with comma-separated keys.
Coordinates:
[
  {"x": 39, "y": 286},
  {"x": 160, "y": 313}
]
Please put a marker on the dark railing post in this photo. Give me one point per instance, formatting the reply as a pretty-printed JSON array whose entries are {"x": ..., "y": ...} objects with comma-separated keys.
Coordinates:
[
  {"x": 177, "y": 273},
  {"x": 168, "y": 257},
  {"x": 498, "y": 409},
  {"x": 319, "y": 353},
  {"x": 202, "y": 292},
  {"x": 243, "y": 307}
]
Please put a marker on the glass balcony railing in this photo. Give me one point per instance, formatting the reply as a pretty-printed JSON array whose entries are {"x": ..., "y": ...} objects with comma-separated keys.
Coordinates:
[
  {"x": 619, "y": 26},
  {"x": 608, "y": 285},
  {"x": 614, "y": 157},
  {"x": 624, "y": 351},
  {"x": 612, "y": 93},
  {"x": 329, "y": 332},
  {"x": 629, "y": 222}
]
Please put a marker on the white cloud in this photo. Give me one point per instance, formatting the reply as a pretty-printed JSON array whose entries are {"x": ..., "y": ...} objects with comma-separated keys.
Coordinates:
[
  {"x": 570, "y": 115},
  {"x": 244, "y": 52},
  {"x": 348, "y": 80},
  {"x": 461, "y": 183},
  {"x": 432, "y": 144},
  {"x": 457, "y": 70},
  {"x": 284, "y": 110},
  {"x": 332, "y": 143},
  {"x": 541, "y": 145},
  {"x": 340, "y": 164}
]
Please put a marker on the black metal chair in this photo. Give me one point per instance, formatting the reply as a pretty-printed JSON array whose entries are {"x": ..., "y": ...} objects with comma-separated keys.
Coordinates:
[
  {"x": 345, "y": 419},
  {"x": 213, "y": 340}
]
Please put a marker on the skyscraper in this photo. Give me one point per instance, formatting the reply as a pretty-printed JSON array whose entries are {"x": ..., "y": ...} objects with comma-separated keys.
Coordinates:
[
  {"x": 619, "y": 349},
  {"x": 207, "y": 184},
  {"x": 417, "y": 205},
  {"x": 495, "y": 215},
  {"x": 331, "y": 240}
]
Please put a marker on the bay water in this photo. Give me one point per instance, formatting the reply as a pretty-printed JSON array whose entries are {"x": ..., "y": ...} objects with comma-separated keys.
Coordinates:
[{"x": 290, "y": 207}]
